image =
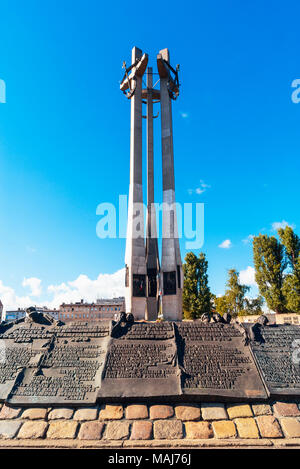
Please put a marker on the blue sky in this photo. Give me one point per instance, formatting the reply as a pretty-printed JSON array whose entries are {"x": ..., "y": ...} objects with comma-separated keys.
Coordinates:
[{"x": 64, "y": 132}]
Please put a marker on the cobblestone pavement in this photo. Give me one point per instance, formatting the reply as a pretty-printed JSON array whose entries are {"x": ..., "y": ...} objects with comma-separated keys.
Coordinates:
[{"x": 202, "y": 425}]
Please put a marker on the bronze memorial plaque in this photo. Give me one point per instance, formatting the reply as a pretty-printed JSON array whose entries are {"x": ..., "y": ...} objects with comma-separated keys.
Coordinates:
[
  {"x": 276, "y": 349},
  {"x": 141, "y": 362},
  {"x": 53, "y": 364},
  {"x": 215, "y": 362},
  {"x": 20, "y": 347}
]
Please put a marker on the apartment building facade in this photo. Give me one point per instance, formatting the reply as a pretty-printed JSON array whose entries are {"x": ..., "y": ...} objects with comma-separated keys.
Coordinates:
[
  {"x": 19, "y": 313},
  {"x": 102, "y": 309}
]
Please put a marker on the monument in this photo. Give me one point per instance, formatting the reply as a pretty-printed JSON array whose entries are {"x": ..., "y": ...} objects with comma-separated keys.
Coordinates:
[
  {"x": 144, "y": 276},
  {"x": 51, "y": 363},
  {"x": 46, "y": 362}
]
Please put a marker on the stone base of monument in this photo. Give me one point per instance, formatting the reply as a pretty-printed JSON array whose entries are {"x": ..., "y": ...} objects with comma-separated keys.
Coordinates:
[
  {"x": 79, "y": 364},
  {"x": 155, "y": 384},
  {"x": 274, "y": 424},
  {"x": 172, "y": 306}
]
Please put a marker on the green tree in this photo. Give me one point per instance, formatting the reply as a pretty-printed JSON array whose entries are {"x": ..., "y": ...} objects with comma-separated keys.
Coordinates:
[
  {"x": 222, "y": 305},
  {"x": 253, "y": 306},
  {"x": 291, "y": 283},
  {"x": 270, "y": 264},
  {"x": 190, "y": 292},
  {"x": 291, "y": 242},
  {"x": 291, "y": 292},
  {"x": 196, "y": 298},
  {"x": 233, "y": 301},
  {"x": 235, "y": 291}
]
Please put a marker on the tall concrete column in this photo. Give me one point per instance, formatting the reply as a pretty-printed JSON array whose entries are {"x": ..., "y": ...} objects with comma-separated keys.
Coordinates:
[
  {"x": 152, "y": 255},
  {"x": 171, "y": 265},
  {"x": 135, "y": 256}
]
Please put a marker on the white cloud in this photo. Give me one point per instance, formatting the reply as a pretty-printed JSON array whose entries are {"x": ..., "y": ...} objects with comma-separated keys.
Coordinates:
[
  {"x": 248, "y": 239},
  {"x": 184, "y": 115},
  {"x": 11, "y": 300},
  {"x": 104, "y": 286},
  {"x": 225, "y": 244},
  {"x": 34, "y": 284},
  {"x": 247, "y": 276},
  {"x": 199, "y": 190},
  {"x": 281, "y": 224}
]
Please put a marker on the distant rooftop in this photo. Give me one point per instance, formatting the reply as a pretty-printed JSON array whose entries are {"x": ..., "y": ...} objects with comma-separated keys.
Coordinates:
[{"x": 116, "y": 300}]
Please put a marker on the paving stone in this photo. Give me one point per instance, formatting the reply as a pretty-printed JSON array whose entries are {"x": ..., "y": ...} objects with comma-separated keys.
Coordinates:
[
  {"x": 237, "y": 410},
  {"x": 88, "y": 413},
  {"x": 62, "y": 429},
  {"x": 188, "y": 412},
  {"x": 33, "y": 429},
  {"x": 247, "y": 428},
  {"x": 261, "y": 409},
  {"x": 268, "y": 426},
  {"x": 10, "y": 412},
  {"x": 224, "y": 429},
  {"x": 91, "y": 430},
  {"x": 291, "y": 427},
  {"x": 57, "y": 414},
  {"x": 9, "y": 428},
  {"x": 161, "y": 412},
  {"x": 286, "y": 409},
  {"x": 141, "y": 430},
  {"x": 168, "y": 429},
  {"x": 117, "y": 431},
  {"x": 34, "y": 414},
  {"x": 186, "y": 444},
  {"x": 111, "y": 412},
  {"x": 136, "y": 411},
  {"x": 198, "y": 430},
  {"x": 214, "y": 411}
]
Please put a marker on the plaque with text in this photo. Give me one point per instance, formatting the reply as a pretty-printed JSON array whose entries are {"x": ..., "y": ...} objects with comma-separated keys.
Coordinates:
[
  {"x": 141, "y": 362},
  {"x": 215, "y": 362},
  {"x": 20, "y": 347},
  {"x": 54, "y": 364},
  {"x": 276, "y": 349}
]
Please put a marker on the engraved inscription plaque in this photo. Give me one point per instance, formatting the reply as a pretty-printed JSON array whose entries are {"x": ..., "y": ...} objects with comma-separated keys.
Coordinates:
[
  {"x": 54, "y": 365},
  {"x": 216, "y": 362},
  {"x": 276, "y": 350},
  {"x": 78, "y": 363},
  {"x": 20, "y": 347},
  {"x": 141, "y": 362}
]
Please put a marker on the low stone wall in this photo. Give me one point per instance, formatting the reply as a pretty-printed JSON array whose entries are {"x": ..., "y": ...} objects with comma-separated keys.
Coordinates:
[{"x": 140, "y": 425}]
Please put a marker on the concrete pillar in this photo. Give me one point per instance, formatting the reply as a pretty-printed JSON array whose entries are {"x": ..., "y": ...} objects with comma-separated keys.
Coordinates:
[
  {"x": 171, "y": 265},
  {"x": 152, "y": 255},
  {"x": 135, "y": 256}
]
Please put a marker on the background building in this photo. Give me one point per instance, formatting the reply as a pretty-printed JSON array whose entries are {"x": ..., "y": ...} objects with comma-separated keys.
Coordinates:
[
  {"x": 103, "y": 309},
  {"x": 1, "y": 311},
  {"x": 19, "y": 313}
]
